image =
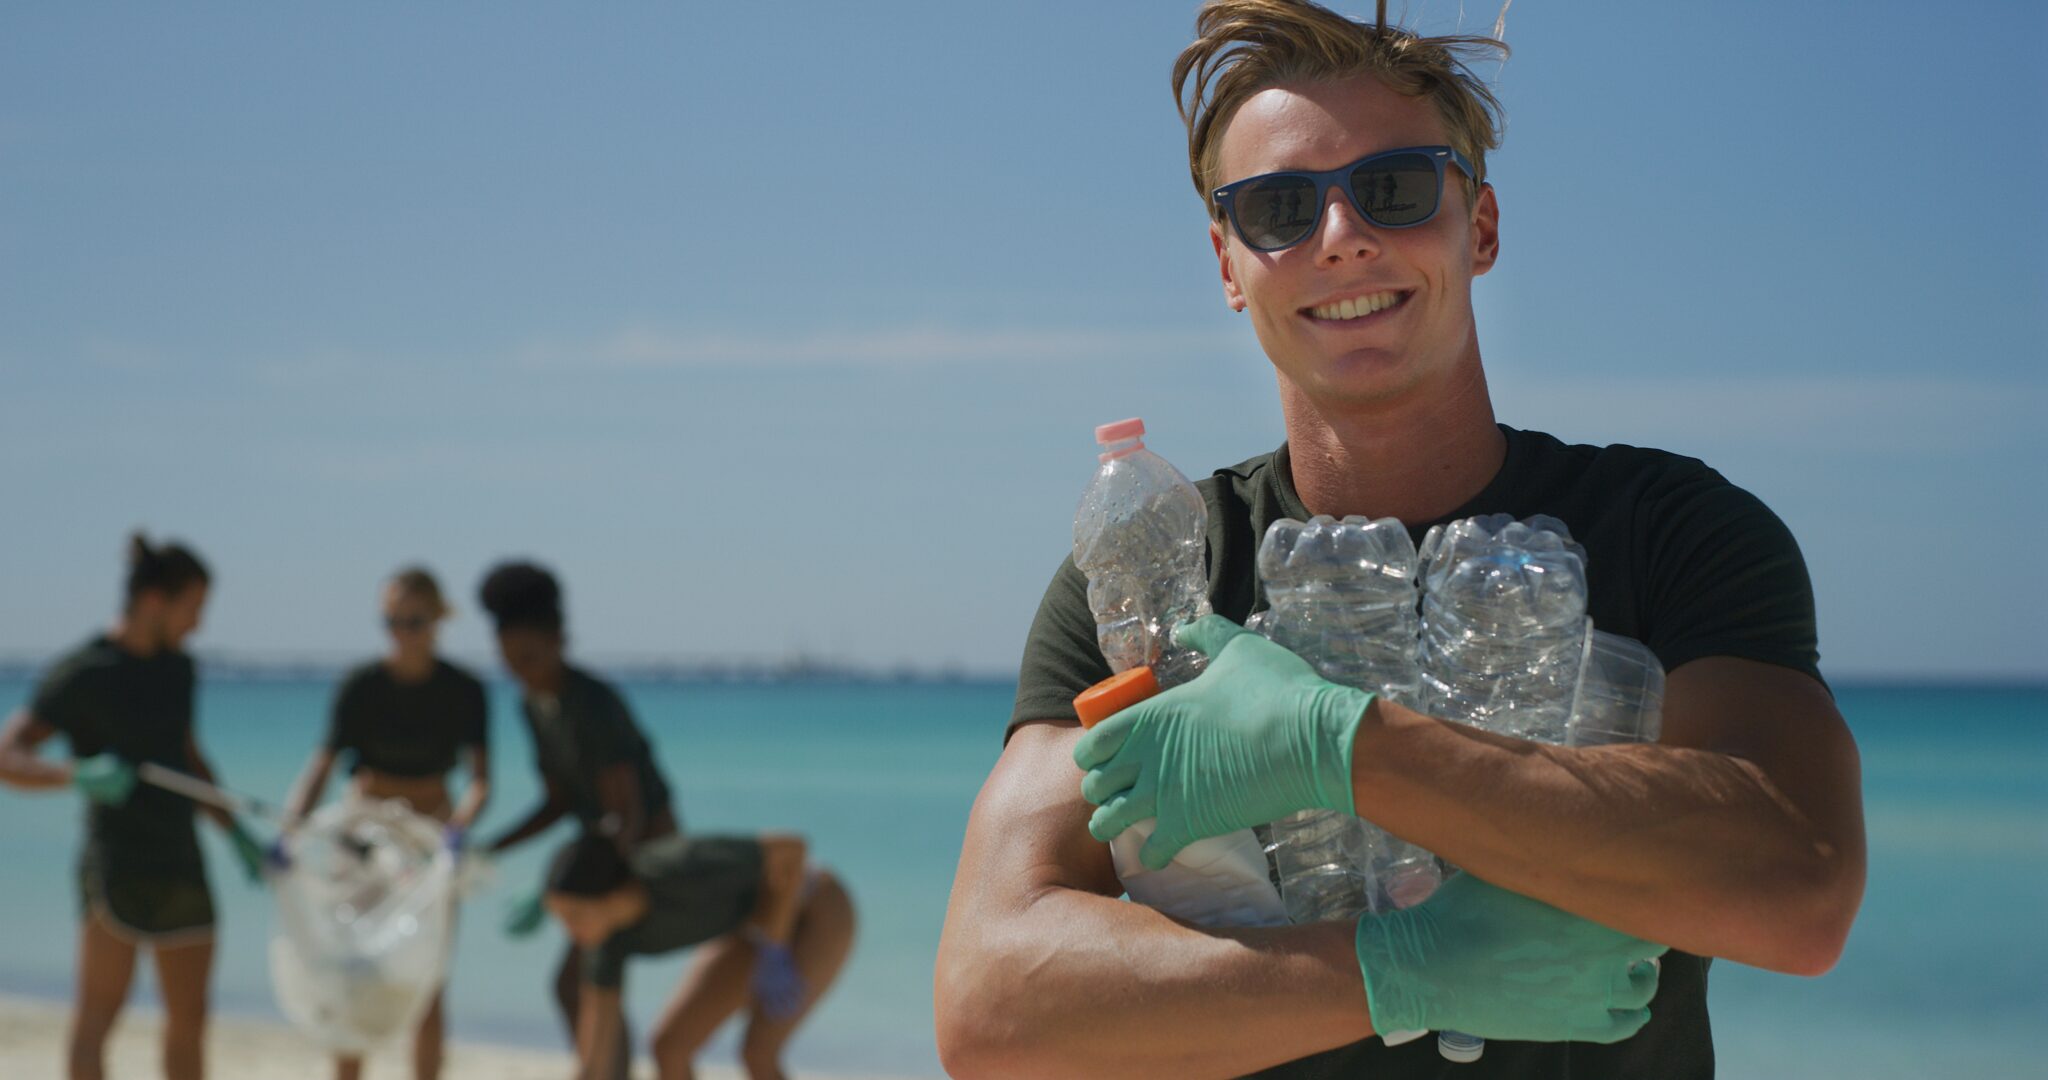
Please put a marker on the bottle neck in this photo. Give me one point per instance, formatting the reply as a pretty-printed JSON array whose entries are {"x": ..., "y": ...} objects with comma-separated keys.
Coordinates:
[{"x": 1120, "y": 448}]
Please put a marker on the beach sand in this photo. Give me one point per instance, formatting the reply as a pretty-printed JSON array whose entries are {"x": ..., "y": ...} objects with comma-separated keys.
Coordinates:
[{"x": 32, "y": 1048}]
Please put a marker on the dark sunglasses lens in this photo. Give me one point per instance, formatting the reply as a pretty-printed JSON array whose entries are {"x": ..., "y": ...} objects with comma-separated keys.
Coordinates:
[
  {"x": 1275, "y": 212},
  {"x": 1400, "y": 189}
]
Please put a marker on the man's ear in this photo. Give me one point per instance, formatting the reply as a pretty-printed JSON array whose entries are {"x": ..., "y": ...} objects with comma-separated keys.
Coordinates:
[
  {"x": 1232, "y": 294},
  {"x": 1485, "y": 231}
]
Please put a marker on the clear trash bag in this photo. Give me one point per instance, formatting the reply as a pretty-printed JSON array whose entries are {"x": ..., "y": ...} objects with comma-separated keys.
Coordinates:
[{"x": 365, "y": 921}]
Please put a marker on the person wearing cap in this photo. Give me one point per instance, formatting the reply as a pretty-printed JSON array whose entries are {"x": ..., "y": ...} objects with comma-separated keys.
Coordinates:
[{"x": 1343, "y": 166}]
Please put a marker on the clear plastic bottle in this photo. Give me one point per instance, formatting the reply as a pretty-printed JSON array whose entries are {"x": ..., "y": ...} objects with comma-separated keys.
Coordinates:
[
  {"x": 1620, "y": 696},
  {"x": 1503, "y": 624},
  {"x": 1504, "y": 629},
  {"x": 1343, "y": 597},
  {"x": 1140, "y": 536}
]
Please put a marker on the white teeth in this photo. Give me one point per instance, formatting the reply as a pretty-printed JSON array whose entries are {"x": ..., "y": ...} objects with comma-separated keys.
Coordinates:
[{"x": 1357, "y": 306}]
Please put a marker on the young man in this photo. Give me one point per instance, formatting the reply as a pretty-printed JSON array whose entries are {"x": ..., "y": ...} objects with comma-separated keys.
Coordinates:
[
  {"x": 124, "y": 699},
  {"x": 594, "y": 762},
  {"x": 1344, "y": 168}
]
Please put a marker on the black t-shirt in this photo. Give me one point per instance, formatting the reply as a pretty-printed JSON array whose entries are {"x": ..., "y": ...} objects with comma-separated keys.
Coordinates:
[
  {"x": 1676, "y": 557},
  {"x": 107, "y": 700},
  {"x": 407, "y": 728},
  {"x": 583, "y": 732},
  {"x": 698, "y": 888}
]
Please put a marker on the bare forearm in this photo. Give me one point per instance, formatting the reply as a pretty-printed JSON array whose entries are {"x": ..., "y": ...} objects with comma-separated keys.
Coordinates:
[
  {"x": 782, "y": 883},
  {"x": 1042, "y": 974},
  {"x": 20, "y": 767},
  {"x": 1695, "y": 848},
  {"x": 544, "y": 815},
  {"x": 311, "y": 783},
  {"x": 1084, "y": 985},
  {"x": 472, "y": 806}
]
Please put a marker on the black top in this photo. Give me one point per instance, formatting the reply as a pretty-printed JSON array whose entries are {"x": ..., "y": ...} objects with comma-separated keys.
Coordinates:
[
  {"x": 406, "y": 728},
  {"x": 107, "y": 700},
  {"x": 698, "y": 888},
  {"x": 585, "y": 731},
  {"x": 1676, "y": 557}
]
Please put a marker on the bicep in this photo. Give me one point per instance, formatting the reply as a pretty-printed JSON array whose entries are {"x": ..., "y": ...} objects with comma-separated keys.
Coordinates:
[
  {"x": 1783, "y": 723},
  {"x": 1028, "y": 831}
]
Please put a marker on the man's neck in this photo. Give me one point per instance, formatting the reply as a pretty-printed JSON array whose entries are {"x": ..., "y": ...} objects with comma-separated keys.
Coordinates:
[{"x": 1416, "y": 459}]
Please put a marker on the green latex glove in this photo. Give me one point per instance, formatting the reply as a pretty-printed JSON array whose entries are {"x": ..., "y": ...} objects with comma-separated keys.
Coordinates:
[
  {"x": 1496, "y": 964},
  {"x": 1258, "y": 736},
  {"x": 524, "y": 913},
  {"x": 249, "y": 851},
  {"x": 103, "y": 778}
]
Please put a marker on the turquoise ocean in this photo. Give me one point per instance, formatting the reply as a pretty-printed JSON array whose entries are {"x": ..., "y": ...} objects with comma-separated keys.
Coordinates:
[{"x": 1945, "y": 974}]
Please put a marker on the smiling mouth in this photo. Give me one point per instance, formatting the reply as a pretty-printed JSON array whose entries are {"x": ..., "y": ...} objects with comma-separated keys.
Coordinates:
[{"x": 1358, "y": 307}]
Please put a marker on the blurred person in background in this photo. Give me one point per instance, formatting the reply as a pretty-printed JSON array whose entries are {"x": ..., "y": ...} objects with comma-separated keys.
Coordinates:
[
  {"x": 124, "y": 699},
  {"x": 404, "y": 720},
  {"x": 774, "y": 932}
]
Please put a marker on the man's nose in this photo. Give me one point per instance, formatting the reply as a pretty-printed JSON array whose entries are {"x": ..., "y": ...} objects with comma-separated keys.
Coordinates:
[{"x": 1344, "y": 233}]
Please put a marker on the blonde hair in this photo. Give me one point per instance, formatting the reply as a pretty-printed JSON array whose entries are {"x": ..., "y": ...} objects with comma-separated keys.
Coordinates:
[
  {"x": 1244, "y": 46},
  {"x": 418, "y": 582}
]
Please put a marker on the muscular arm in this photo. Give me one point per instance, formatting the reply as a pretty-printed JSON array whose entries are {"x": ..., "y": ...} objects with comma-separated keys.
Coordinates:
[
  {"x": 1043, "y": 972},
  {"x": 1739, "y": 836},
  {"x": 20, "y": 767},
  {"x": 550, "y": 810},
  {"x": 600, "y": 1021},
  {"x": 479, "y": 790}
]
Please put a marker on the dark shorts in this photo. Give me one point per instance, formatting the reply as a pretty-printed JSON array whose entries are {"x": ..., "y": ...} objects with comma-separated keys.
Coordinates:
[
  {"x": 147, "y": 907},
  {"x": 724, "y": 881}
]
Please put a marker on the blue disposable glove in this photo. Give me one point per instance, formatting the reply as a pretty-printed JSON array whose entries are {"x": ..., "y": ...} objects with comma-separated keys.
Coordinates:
[
  {"x": 103, "y": 778},
  {"x": 453, "y": 837},
  {"x": 524, "y": 913},
  {"x": 276, "y": 856},
  {"x": 250, "y": 852},
  {"x": 1482, "y": 960},
  {"x": 1258, "y": 736},
  {"x": 778, "y": 986}
]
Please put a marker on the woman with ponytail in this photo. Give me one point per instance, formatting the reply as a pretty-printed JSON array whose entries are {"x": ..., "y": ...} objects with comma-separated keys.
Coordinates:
[{"x": 123, "y": 699}]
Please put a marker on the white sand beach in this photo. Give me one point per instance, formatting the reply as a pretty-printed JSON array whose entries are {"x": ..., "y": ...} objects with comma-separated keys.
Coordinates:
[{"x": 32, "y": 1048}]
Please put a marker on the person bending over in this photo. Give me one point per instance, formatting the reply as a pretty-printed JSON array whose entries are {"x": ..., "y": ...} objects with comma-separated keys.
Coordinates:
[{"x": 774, "y": 934}]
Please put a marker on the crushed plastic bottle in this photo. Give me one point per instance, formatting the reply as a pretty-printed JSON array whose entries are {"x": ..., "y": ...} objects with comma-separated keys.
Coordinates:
[
  {"x": 1503, "y": 624},
  {"x": 1620, "y": 695},
  {"x": 364, "y": 924},
  {"x": 1343, "y": 597},
  {"x": 1140, "y": 536}
]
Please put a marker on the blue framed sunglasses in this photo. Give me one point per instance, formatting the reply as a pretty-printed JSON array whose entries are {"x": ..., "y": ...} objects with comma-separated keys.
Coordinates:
[{"x": 1394, "y": 189}]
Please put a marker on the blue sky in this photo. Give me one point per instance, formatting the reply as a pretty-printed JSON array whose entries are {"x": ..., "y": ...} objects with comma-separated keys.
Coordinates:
[{"x": 782, "y": 327}]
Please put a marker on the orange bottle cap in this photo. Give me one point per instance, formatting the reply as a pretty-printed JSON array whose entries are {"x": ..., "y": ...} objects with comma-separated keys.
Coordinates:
[{"x": 1114, "y": 694}]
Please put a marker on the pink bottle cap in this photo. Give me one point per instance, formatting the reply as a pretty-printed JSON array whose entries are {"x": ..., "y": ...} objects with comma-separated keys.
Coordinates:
[{"x": 1121, "y": 430}]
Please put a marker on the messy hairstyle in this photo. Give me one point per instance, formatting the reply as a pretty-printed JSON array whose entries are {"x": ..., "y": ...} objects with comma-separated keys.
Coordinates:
[{"x": 1244, "y": 46}]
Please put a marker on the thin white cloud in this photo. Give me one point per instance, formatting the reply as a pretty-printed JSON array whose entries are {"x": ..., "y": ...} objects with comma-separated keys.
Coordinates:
[
  {"x": 645, "y": 348},
  {"x": 1805, "y": 414}
]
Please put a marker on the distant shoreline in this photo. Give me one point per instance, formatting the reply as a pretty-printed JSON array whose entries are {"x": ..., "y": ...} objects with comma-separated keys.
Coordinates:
[{"x": 798, "y": 671}]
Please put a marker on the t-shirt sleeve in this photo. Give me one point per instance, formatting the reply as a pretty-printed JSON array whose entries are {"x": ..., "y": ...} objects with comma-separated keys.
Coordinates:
[
  {"x": 605, "y": 966},
  {"x": 345, "y": 721},
  {"x": 608, "y": 736},
  {"x": 1061, "y": 658},
  {"x": 1725, "y": 578},
  {"x": 63, "y": 700}
]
